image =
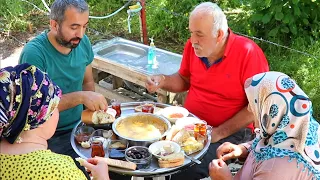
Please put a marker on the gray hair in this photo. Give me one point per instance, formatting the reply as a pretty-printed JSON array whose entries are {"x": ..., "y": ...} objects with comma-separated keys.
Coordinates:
[
  {"x": 59, "y": 7},
  {"x": 219, "y": 18}
]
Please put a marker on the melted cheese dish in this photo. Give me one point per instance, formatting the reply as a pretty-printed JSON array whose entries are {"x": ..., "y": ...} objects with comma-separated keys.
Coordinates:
[{"x": 141, "y": 128}]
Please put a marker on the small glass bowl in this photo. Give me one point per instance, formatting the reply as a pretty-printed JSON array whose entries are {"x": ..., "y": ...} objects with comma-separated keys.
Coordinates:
[
  {"x": 139, "y": 155},
  {"x": 116, "y": 149},
  {"x": 103, "y": 133},
  {"x": 83, "y": 133},
  {"x": 147, "y": 106}
]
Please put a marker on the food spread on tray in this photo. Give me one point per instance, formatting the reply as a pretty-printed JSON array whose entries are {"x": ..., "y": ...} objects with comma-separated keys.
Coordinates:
[{"x": 141, "y": 128}]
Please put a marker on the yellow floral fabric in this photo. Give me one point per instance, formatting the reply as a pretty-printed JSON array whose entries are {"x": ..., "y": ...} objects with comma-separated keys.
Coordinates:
[{"x": 42, "y": 164}]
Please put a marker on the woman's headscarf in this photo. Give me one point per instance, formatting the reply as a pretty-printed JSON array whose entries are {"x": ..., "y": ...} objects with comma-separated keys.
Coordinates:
[
  {"x": 283, "y": 112},
  {"x": 28, "y": 98}
]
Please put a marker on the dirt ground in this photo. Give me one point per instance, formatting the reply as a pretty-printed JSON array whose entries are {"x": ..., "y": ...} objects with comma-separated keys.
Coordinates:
[{"x": 11, "y": 45}]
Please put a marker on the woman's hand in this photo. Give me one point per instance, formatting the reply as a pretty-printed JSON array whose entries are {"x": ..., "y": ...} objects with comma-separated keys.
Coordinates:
[
  {"x": 98, "y": 168},
  {"x": 228, "y": 151},
  {"x": 219, "y": 170}
]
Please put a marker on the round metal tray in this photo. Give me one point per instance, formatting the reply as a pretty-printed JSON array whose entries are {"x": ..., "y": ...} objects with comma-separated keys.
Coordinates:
[{"x": 154, "y": 170}]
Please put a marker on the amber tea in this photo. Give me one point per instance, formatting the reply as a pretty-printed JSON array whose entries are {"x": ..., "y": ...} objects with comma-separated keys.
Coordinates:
[{"x": 200, "y": 129}]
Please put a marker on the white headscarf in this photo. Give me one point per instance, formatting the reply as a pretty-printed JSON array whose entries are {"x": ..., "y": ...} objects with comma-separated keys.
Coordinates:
[{"x": 283, "y": 112}]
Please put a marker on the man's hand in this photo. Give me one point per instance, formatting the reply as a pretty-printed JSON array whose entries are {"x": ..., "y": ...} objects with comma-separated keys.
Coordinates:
[
  {"x": 94, "y": 101},
  {"x": 155, "y": 82},
  {"x": 98, "y": 168},
  {"x": 218, "y": 170},
  {"x": 228, "y": 151}
]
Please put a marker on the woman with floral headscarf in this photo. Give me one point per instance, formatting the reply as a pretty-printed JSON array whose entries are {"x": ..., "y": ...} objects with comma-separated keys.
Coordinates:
[
  {"x": 287, "y": 144},
  {"x": 28, "y": 118}
]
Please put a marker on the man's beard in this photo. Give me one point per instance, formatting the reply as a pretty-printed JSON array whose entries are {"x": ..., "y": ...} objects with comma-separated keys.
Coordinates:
[{"x": 68, "y": 44}]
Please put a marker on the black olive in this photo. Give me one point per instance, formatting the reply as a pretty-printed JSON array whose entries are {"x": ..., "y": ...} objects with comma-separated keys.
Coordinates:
[{"x": 138, "y": 156}]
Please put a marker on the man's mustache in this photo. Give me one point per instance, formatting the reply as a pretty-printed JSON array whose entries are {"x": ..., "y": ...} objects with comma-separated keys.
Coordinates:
[{"x": 197, "y": 46}]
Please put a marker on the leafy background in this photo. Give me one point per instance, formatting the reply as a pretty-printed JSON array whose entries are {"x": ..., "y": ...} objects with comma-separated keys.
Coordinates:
[{"x": 292, "y": 23}]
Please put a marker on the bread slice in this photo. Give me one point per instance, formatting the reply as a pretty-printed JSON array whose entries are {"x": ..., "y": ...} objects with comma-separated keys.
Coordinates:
[
  {"x": 113, "y": 162},
  {"x": 121, "y": 164},
  {"x": 172, "y": 160},
  {"x": 181, "y": 136},
  {"x": 172, "y": 132},
  {"x": 96, "y": 117},
  {"x": 165, "y": 164}
]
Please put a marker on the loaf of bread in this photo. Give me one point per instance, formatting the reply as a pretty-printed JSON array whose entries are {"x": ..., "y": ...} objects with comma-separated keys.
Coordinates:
[
  {"x": 172, "y": 160},
  {"x": 96, "y": 117},
  {"x": 114, "y": 162}
]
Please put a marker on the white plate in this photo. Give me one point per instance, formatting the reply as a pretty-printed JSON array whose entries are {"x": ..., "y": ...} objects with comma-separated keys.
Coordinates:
[
  {"x": 182, "y": 122},
  {"x": 156, "y": 147},
  {"x": 168, "y": 111}
]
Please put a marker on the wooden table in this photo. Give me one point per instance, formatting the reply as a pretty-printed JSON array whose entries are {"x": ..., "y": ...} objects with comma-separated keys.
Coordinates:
[{"x": 122, "y": 72}]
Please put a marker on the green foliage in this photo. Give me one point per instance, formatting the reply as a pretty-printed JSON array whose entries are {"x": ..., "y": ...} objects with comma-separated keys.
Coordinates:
[
  {"x": 305, "y": 70},
  {"x": 16, "y": 15},
  {"x": 169, "y": 19},
  {"x": 12, "y": 13},
  {"x": 292, "y": 22},
  {"x": 102, "y": 8},
  {"x": 286, "y": 20}
]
